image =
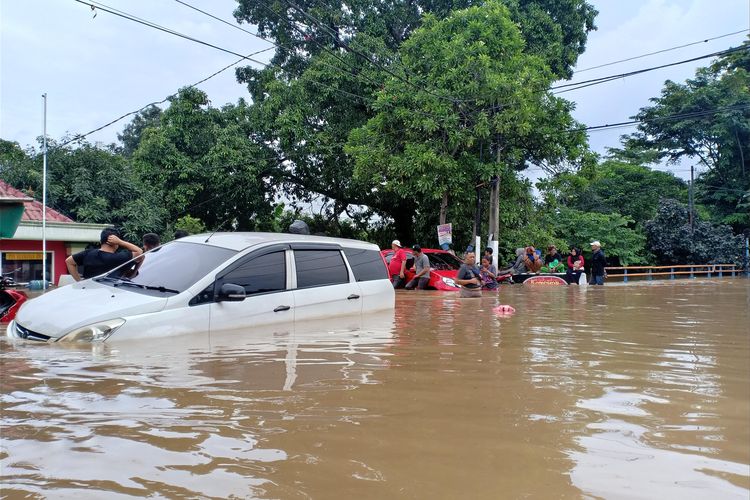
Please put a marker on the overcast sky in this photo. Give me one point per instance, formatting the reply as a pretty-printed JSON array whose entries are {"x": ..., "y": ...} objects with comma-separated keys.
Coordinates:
[{"x": 95, "y": 68}]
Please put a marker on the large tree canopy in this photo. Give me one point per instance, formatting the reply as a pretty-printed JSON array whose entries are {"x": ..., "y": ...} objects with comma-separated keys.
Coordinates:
[
  {"x": 204, "y": 162},
  {"x": 488, "y": 116},
  {"x": 335, "y": 61},
  {"x": 611, "y": 187},
  {"x": 556, "y": 30},
  {"x": 707, "y": 119}
]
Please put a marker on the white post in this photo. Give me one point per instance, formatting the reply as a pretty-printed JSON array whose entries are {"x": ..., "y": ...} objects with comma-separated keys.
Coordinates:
[{"x": 44, "y": 197}]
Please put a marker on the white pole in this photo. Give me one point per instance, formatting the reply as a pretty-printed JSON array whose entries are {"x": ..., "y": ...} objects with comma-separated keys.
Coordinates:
[{"x": 44, "y": 197}]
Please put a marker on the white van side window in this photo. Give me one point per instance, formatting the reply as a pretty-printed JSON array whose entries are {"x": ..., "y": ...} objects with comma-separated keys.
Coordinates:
[
  {"x": 320, "y": 267},
  {"x": 367, "y": 265},
  {"x": 263, "y": 274}
]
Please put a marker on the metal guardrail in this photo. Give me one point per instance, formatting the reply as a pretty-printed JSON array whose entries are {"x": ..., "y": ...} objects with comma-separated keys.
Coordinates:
[{"x": 709, "y": 270}]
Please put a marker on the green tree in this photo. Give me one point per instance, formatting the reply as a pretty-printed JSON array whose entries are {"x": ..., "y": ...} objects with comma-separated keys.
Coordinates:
[
  {"x": 556, "y": 30},
  {"x": 192, "y": 225},
  {"x": 673, "y": 240},
  {"x": 707, "y": 119},
  {"x": 613, "y": 187},
  {"x": 203, "y": 161},
  {"x": 86, "y": 183},
  {"x": 17, "y": 167},
  {"x": 322, "y": 85},
  {"x": 488, "y": 117},
  {"x": 618, "y": 239},
  {"x": 131, "y": 134}
]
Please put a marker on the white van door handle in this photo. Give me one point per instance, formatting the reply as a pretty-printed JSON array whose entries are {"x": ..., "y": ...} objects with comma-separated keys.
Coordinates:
[
  {"x": 352, "y": 296},
  {"x": 281, "y": 308}
]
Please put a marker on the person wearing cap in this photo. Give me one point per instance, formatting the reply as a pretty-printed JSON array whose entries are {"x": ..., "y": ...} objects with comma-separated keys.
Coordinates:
[
  {"x": 598, "y": 262},
  {"x": 422, "y": 268},
  {"x": 397, "y": 265}
]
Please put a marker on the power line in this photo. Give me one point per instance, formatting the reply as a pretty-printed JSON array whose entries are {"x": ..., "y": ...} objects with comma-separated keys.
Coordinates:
[
  {"x": 677, "y": 116},
  {"x": 346, "y": 47},
  {"x": 78, "y": 137},
  {"x": 224, "y": 21},
  {"x": 576, "y": 84},
  {"x": 130, "y": 17},
  {"x": 605, "y": 79},
  {"x": 661, "y": 51},
  {"x": 349, "y": 94}
]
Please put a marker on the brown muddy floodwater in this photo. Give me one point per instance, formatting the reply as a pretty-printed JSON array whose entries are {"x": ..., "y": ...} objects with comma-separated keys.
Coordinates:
[{"x": 622, "y": 391}]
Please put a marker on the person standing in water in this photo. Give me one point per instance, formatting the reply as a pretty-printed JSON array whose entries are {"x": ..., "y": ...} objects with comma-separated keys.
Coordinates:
[
  {"x": 469, "y": 277},
  {"x": 598, "y": 262},
  {"x": 96, "y": 261}
]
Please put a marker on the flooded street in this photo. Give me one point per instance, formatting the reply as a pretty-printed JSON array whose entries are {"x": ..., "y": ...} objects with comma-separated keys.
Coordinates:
[{"x": 622, "y": 391}]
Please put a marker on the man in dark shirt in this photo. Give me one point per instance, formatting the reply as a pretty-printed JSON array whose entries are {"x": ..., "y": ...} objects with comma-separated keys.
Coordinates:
[
  {"x": 98, "y": 261},
  {"x": 598, "y": 262},
  {"x": 552, "y": 255},
  {"x": 469, "y": 278}
]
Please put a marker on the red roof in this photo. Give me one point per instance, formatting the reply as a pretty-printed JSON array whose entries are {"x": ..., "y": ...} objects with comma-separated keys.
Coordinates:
[{"x": 32, "y": 209}]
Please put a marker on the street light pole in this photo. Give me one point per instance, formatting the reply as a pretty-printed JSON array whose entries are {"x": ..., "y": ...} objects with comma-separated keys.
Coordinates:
[{"x": 44, "y": 196}]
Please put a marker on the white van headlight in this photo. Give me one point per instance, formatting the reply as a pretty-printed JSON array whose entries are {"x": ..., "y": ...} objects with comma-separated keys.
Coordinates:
[{"x": 96, "y": 332}]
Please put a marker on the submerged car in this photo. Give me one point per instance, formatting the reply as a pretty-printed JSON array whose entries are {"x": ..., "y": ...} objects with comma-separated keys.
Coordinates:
[
  {"x": 443, "y": 267},
  {"x": 215, "y": 282}
]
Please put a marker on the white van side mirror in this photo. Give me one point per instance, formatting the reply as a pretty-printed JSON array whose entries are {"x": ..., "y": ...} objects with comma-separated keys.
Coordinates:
[{"x": 229, "y": 292}]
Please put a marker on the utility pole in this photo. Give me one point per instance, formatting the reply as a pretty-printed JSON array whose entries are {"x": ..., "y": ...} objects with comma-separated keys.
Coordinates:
[
  {"x": 494, "y": 228},
  {"x": 477, "y": 230},
  {"x": 494, "y": 225},
  {"x": 690, "y": 202},
  {"x": 44, "y": 195}
]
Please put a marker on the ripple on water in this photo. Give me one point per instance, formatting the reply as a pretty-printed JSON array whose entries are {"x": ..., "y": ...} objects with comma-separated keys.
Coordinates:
[{"x": 628, "y": 391}]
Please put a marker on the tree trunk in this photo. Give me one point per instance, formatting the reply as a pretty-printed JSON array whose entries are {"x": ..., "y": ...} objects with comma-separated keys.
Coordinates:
[
  {"x": 494, "y": 225},
  {"x": 444, "y": 208},
  {"x": 402, "y": 218}
]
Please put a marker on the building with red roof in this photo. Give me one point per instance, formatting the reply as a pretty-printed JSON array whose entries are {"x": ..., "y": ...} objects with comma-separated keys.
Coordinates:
[{"x": 21, "y": 250}]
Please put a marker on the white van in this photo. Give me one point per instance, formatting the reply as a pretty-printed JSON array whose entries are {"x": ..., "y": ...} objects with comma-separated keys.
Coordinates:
[{"x": 214, "y": 282}]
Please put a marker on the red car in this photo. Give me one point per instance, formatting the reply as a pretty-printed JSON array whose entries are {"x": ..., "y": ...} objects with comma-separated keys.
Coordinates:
[{"x": 443, "y": 267}]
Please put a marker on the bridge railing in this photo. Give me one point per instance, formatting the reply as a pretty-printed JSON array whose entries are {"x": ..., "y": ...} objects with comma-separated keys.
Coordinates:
[{"x": 662, "y": 272}]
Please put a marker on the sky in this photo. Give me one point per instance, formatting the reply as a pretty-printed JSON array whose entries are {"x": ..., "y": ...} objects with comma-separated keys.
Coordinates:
[{"x": 95, "y": 67}]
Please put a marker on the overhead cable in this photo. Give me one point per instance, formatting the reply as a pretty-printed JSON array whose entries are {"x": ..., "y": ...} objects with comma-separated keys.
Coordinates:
[
  {"x": 660, "y": 51},
  {"x": 605, "y": 79},
  {"x": 78, "y": 137}
]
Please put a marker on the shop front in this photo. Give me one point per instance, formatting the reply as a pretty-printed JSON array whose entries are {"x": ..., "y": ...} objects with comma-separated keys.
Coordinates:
[{"x": 22, "y": 239}]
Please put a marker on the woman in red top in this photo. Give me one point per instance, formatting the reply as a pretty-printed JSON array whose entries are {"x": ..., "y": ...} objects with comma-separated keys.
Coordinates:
[{"x": 575, "y": 266}]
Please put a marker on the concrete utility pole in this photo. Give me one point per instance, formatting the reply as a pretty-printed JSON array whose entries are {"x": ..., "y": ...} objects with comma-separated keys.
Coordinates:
[
  {"x": 494, "y": 228},
  {"x": 690, "y": 202},
  {"x": 44, "y": 195}
]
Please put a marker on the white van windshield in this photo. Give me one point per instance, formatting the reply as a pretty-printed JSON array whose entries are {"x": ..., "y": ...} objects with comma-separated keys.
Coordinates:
[{"x": 169, "y": 269}]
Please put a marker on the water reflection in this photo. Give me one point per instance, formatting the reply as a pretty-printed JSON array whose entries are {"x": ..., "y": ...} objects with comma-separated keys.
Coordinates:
[
  {"x": 613, "y": 392},
  {"x": 181, "y": 417}
]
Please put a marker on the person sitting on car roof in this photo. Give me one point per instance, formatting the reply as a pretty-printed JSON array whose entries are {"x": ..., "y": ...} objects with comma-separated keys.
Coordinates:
[
  {"x": 488, "y": 273},
  {"x": 532, "y": 260}
]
